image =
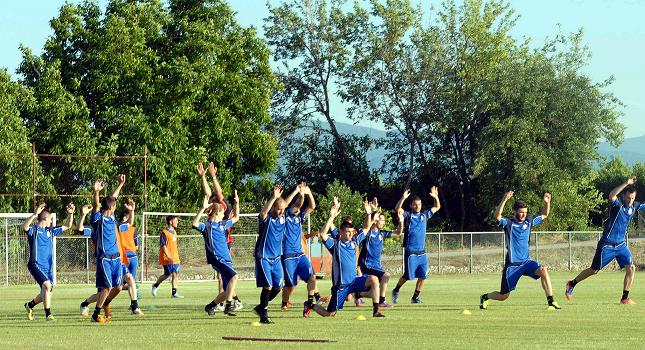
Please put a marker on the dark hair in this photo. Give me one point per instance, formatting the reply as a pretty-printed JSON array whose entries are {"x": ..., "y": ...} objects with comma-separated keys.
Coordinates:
[
  {"x": 629, "y": 190},
  {"x": 519, "y": 205},
  {"x": 415, "y": 198},
  {"x": 345, "y": 225},
  {"x": 376, "y": 214},
  {"x": 123, "y": 213},
  {"x": 169, "y": 218},
  {"x": 107, "y": 202},
  {"x": 346, "y": 218},
  {"x": 43, "y": 214}
]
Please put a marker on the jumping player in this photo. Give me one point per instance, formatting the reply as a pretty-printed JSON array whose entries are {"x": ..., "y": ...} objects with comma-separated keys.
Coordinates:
[
  {"x": 415, "y": 260},
  {"x": 518, "y": 263},
  {"x": 217, "y": 251},
  {"x": 40, "y": 238},
  {"x": 612, "y": 244}
]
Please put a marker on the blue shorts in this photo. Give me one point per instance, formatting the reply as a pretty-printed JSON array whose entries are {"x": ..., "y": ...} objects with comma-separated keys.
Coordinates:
[
  {"x": 415, "y": 265},
  {"x": 296, "y": 267},
  {"x": 133, "y": 263},
  {"x": 109, "y": 272},
  {"x": 338, "y": 295},
  {"x": 168, "y": 269},
  {"x": 512, "y": 273},
  {"x": 372, "y": 270},
  {"x": 40, "y": 274},
  {"x": 226, "y": 270},
  {"x": 268, "y": 273},
  {"x": 606, "y": 252}
]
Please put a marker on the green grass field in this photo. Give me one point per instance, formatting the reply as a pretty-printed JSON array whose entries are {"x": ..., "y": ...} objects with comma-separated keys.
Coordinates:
[{"x": 594, "y": 319}]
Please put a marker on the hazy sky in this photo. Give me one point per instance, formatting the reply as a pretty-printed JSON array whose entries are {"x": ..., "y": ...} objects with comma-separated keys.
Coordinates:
[{"x": 612, "y": 30}]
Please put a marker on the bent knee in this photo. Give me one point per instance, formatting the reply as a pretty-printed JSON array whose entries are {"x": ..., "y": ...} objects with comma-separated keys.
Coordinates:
[{"x": 630, "y": 268}]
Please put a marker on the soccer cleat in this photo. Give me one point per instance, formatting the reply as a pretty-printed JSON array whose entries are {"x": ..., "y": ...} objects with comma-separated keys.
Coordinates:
[
  {"x": 378, "y": 314},
  {"x": 230, "y": 310},
  {"x": 555, "y": 306},
  {"x": 306, "y": 310},
  {"x": 483, "y": 303},
  {"x": 137, "y": 312},
  {"x": 263, "y": 313},
  {"x": 357, "y": 300},
  {"x": 85, "y": 311},
  {"x": 154, "y": 291},
  {"x": 384, "y": 304},
  {"x": 30, "y": 312},
  {"x": 108, "y": 313},
  {"x": 266, "y": 320},
  {"x": 177, "y": 296},
  {"x": 323, "y": 299},
  {"x": 210, "y": 310},
  {"x": 100, "y": 320},
  {"x": 284, "y": 308},
  {"x": 219, "y": 307},
  {"x": 416, "y": 300},
  {"x": 627, "y": 301},
  {"x": 395, "y": 297},
  {"x": 568, "y": 292},
  {"x": 50, "y": 318},
  {"x": 238, "y": 305}
]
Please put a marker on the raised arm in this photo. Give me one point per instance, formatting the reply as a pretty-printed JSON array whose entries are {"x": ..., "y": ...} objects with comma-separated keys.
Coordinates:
[
  {"x": 547, "y": 205},
  {"x": 205, "y": 205},
  {"x": 277, "y": 192},
  {"x": 236, "y": 208},
  {"x": 367, "y": 223},
  {"x": 434, "y": 193},
  {"x": 212, "y": 169},
  {"x": 614, "y": 193},
  {"x": 500, "y": 207},
  {"x": 130, "y": 206},
  {"x": 96, "y": 201},
  {"x": 333, "y": 213},
  {"x": 70, "y": 216},
  {"x": 117, "y": 190},
  {"x": 86, "y": 209},
  {"x": 295, "y": 192},
  {"x": 399, "y": 204},
  {"x": 202, "y": 175},
  {"x": 312, "y": 202},
  {"x": 33, "y": 216},
  {"x": 399, "y": 227}
]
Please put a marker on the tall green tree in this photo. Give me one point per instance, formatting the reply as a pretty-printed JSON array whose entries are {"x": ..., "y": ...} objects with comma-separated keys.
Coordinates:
[{"x": 183, "y": 79}]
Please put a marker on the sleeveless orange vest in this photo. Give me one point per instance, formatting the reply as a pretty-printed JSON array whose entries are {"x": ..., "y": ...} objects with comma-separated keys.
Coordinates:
[{"x": 171, "y": 246}]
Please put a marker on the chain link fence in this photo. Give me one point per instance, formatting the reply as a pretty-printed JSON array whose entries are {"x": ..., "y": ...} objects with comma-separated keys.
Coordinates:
[{"x": 448, "y": 252}]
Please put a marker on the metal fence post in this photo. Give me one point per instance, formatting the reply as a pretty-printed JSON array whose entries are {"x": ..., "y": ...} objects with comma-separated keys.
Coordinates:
[
  {"x": 439, "y": 253},
  {"x": 470, "y": 265},
  {"x": 570, "y": 253}
]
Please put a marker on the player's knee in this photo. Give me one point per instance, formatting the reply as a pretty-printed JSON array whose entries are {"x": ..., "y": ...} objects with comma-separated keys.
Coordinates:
[
  {"x": 542, "y": 271},
  {"x": 47, "y": 287},
  {"x": 386, "y": 277},
  {"x": 373, "y": 280},
  {"x": 630, "y": 268}
]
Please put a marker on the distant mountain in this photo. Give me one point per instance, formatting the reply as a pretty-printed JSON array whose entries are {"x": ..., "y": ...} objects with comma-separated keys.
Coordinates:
[{"x": 631, "y": 151}]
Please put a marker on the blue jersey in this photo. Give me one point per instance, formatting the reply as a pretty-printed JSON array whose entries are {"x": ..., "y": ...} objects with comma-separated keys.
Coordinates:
[
  {"x": 292, "y": 243},
  {"x": 619, "y": 218},
  {"x": 372, "y": 248},
  {"x": 215, "y": 237},
  {"x": 270, "y": 235},
  {"x": 105, "y": 235},
  {"x": 343, "y": 270},
  {"x": 518, "y": 237},
  {"x": 40, "y": 244},
  {"x": 414, "y": 230}
]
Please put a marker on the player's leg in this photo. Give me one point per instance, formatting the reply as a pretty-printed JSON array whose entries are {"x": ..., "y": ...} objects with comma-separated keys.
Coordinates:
[
  {"x": 289, "y": 267},
  {"x": 46, "y": 291},
  {"x": 404, "y": 278},
  {"x": 40, "y": 277},
  {"x": 175, "y": 281},
  {"x": 420, "y": 273},
  {"x": 543, "y": 274},
  {"x": 383, "y": 284},
  {"x": 624, "y": 258},
  {"x": 336, "y": 302},
  {"x": 372, "y": 285},
  {"x": 509, "y": 280},
  {"x": 600, "y": 259},
  {"x": 263, "y": 280},
  {"x": 84, "y": 308},
  {"x": 166, "y": 274}
]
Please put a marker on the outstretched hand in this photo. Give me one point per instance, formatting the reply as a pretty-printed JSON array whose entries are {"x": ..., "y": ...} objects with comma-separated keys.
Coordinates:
[
  {"x": 277, "y": 192},
  {"x": 200, "y": 170},
  {"x": 335, "y": 208},
  {"x": 547, "y": 197},
  {"x": 212, "y": 169},
  {"x": 508, "y": 195},
  {"x": 86, "y": 209},
  {"x": 70, "y": 208},
  {"x": 121, "y": 178},
  {"x": 631, "y": 180},
  {"x": 40, "y": 208},
  {"x": 374, "y": 204},
  {"x": 367, "y": 206},
  {"x": 99, "y": 185},
  {"x": 130, "y": 205},
  {"x": 236, "y": 199},
  {"x": 434, "y": 192},
  {"x": 406, "y": 193}
]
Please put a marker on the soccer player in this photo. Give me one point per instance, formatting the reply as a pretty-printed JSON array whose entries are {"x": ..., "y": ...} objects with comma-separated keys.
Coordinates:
[
  {"x": 218, "y": 197},
  {"x": 128, "y": 243},
  {"x": 268, "y": 250},
  {"x": 612, "y": 243},
  {"x": 369, "y": 258},
  {"x": 39, "y": 265},
  {"x": 169, "y": 256},
  {"x": 344, "y": 278},
  {"x": 109, "y": 272},
  {"x": 295, "y": 263},
  {"x": 518, "y": 263},
  {"x": 217, "y": 251},
  {"x": 415, "y": 260}
]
